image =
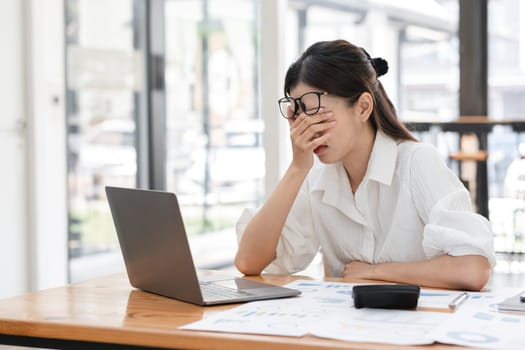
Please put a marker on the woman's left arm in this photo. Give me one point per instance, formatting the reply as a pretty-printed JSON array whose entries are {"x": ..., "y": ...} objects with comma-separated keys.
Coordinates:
[
  {"x": 457, "y": 242},
  {"x": 467, "y": 272}
]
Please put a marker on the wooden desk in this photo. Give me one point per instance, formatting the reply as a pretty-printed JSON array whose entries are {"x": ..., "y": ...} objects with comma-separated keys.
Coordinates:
[
  {"x": 106, "y": 312},
  {"x": 481, "y": 126}
]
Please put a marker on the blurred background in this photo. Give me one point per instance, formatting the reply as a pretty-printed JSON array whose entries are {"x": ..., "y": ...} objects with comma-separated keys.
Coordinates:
[{"x": 180, "y": 95}]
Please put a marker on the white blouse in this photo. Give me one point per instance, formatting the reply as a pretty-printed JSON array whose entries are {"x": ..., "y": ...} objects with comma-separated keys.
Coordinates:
[{"x": 409, "y": 207}]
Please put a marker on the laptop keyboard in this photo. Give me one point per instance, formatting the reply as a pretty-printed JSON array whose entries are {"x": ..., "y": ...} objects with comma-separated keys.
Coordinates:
[{"x": 211, "y": 291}]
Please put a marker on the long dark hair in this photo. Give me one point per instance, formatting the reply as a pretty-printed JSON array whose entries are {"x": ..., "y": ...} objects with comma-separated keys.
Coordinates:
[{"x": 343, "y": 69}]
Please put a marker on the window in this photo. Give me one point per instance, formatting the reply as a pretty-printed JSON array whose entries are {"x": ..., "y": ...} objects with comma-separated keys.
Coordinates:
[
  {"x": 215, "y": 160},
  {"x": 506, "y": 90},
  {"x": 103, "y": 78},
  {"x": 214, "y": 157},
  {"x": 411, "y": 38}
]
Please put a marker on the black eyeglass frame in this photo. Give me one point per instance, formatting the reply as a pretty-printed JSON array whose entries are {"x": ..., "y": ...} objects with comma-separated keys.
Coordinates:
[{"x": 298, "y": 103}]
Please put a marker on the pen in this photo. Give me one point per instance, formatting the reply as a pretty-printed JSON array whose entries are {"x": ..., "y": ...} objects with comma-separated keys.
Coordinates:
[{"x": 458, "y": 300}]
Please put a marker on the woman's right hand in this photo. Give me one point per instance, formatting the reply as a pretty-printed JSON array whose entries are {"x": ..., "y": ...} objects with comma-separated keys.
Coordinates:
[
  {"x": 258, "y": 245},
  {"x": 307, "y": 132}
]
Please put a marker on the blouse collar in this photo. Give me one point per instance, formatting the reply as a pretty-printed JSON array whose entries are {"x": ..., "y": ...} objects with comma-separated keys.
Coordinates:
[{"x": 381, "y": 167}]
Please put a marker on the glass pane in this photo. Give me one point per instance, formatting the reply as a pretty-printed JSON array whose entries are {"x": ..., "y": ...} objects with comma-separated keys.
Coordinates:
[
  {"x": 102, "y": 81},
  {"x": 506, "y": 89},
  {"x": 215, "y": 160},
  {"x": 328, "y": 24},
  {"x": 506, "y": 63},
  {"x": 429, "y": 63},
  {"x": 419, "y": 40}
]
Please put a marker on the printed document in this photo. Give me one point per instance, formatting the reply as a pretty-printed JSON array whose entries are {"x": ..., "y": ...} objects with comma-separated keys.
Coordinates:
[{"x": 326, "y": 309}]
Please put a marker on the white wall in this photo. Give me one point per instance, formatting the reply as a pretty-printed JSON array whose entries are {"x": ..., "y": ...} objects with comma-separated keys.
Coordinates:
[
  {"x": 13, "y": 238},
  {"x": 33, "y": 245},
  {"x": 46, "y": 156}
]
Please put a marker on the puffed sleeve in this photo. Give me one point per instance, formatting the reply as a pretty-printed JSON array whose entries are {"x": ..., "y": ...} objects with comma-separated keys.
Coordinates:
[
  {"x": 451, "y": 227},
  {"x": 298, "y": 243}
]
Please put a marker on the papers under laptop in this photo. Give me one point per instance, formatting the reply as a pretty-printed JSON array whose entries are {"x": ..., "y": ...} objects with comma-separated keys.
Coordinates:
[{"x": 157, "y": 254}]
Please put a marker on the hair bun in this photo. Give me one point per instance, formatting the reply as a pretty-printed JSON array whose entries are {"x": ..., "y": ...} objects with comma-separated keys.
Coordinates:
[{"x": 380, "y": 66}]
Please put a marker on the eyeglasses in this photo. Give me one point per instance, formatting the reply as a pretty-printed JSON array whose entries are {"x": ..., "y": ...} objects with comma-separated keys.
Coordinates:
[{"x": 309, "y": 103}]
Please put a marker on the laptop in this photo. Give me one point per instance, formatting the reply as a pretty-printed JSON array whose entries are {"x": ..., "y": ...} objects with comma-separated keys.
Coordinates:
[{"x": 157, "y": 255}]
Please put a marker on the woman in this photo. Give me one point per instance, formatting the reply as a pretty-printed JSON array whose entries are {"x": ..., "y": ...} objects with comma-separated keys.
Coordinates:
[{"x": 379, "y": 204}]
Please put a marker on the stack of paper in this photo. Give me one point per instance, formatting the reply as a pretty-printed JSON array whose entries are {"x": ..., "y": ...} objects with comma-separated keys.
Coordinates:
[
  {"x": 325, "y": 309},
  {"x": 513, "y": 303}
]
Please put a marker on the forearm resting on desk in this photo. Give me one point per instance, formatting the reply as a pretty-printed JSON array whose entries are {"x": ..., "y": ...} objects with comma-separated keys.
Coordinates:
[
  {"x": 469, "y": 272},
  {"x": 259, "y": 241}
]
